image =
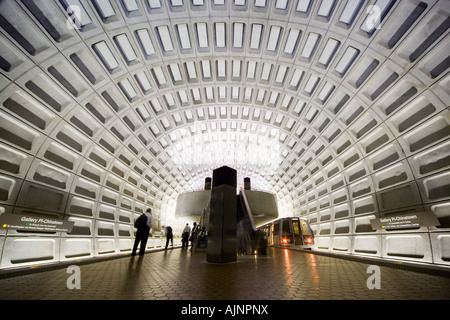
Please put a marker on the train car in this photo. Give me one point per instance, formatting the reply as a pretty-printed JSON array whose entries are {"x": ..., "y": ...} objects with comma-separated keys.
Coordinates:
[{"x": 289, "y": 232}]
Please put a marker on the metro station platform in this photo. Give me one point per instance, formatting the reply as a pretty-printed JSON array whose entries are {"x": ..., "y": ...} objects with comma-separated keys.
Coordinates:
[{"x": 178, "y": 274}]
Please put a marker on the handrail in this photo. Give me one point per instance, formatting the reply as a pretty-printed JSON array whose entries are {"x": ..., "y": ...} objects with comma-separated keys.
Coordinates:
[
  {"x": 204, "y": 217},
  {"x": 247, "y": 209}
]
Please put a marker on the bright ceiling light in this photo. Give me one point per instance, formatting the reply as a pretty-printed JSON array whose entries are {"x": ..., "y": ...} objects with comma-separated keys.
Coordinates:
[
  {"x": 251, "y": 69},
  {"x": 312, "y": 83},
  {"x": 105, "y": 54},
  {"x": 128, "y": 89},
  {"x": 273, "y": 38},
  {"x": 175, "y": 71},
  {"x": 143, "y": 112},
  {"x": 310, "y": 45},
  {"x": 328, "y": 51},
  {"x": 159, "y": 74},
  {"x": 256, "y": 36},
  {"x": 209, "y": 93},
  {"x": 183, "y": 97},
  {"x": 104, "y": 8},
  {"x": 196, "y": 94},
  {"x": 281, "y": 4},
  {"x": 221, "y": 68},
  {"x": 154, "y": 4},
  {"x": 325, "y": 92},
  {"x": 238, "y": 35},
  {"x": 281, "y": 74},
  {"x": 220, "y": 34},
  {"x": 267, "y": 67},
  {"x": 165, "y": 38},
  {"x": 146, "y": 42},
  {"x": 325, "y": 8},
  {"x": 77, "y": 12},
  {"x": 156, "y": 105},
  {"x": 183, "y": 35},
  {"x": 125, "y": 47},
  {"x": 206, "y": 69},
  {"x": 379, "y": 9},
  {"x": 236, "y": 68},
  {"x": 130, "y": 5},
  {"x": 291, "y": 41},
  {"x": 350, "y": 11},
  {"x": 303, "y": 5},
  {"x": 260, "y": 3},
  {"x": 141, "y": 77},
  {"x": 190, "y": 67},
  {"x": 176, "y": 3},
  {"x": 202, "y": 35},
  {"x": 297, "y": 76},
  {"x": 346, "y": 60}
]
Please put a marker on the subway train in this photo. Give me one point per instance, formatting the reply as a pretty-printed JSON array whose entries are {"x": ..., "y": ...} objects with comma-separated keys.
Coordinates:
[{"x": 289, "y": 232}]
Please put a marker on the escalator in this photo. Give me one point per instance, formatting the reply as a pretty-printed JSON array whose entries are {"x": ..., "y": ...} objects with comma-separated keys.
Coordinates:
[{"x": 249, "y": 239}]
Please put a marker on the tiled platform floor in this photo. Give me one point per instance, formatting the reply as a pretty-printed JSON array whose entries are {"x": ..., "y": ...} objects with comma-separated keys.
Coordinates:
[{"x": 178, "y": 274}]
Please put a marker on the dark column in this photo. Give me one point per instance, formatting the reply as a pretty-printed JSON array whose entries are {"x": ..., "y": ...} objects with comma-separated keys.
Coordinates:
[
  {"x": 247, "y": 185},
  {"x": 208, "y": 183},
  {"x": 222, "y": 218}
]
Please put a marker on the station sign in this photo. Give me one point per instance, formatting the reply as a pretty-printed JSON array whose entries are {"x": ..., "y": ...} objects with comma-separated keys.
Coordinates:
[
  {"x": 406, "y": 221},
  {"x": 34, "y": 223}
]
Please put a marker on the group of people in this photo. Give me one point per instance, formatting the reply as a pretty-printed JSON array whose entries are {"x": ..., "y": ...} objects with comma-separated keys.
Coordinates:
[
  {"x": 145, "y": 222},
  {"x": 195, "y": 235}
]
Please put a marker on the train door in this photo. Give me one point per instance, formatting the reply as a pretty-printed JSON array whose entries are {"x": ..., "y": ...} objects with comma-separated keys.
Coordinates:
[
  {"x": 297, "y": 234},
  {"x": 286, "y": 233},
  {"x": 267, "y": 231},
  {"x": 308, "y": 236},
  {"x": 276, "y": 233}
]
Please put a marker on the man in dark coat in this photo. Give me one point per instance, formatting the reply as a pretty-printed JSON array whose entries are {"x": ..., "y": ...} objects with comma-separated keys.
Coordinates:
[{"x": 142, "y": 233}]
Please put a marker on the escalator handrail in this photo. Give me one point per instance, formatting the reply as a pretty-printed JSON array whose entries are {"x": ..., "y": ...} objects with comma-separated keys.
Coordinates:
[{"x": 247, "y": 209}]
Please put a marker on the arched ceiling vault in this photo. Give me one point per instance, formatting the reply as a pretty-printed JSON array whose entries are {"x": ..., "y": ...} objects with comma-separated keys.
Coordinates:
[{"x": 307, "y": 98}]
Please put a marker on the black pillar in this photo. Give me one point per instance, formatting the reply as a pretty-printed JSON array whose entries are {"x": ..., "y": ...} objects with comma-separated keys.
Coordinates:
[
  {"x": 222, "y": 241},
  {"x": 208, "y": 183},
  {"x": 247, "y": 185}
]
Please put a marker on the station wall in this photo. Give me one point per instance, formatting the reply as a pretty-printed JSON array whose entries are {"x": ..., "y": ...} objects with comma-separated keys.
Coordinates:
[{"x": 88, "y": 130}]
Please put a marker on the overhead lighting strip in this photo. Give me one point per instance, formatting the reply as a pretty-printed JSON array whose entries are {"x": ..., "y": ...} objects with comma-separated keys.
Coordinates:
[
  {"x": 125, "y": 47},
  {"x": 165, "y": 38},
  {"x": 104, "y": 52},
  {"x": 238, "y": 35},
  {"x": 146, "y": 42}
]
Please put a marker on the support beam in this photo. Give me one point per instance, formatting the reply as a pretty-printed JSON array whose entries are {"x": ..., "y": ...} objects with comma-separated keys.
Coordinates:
[{"x": 222, "y": 241}]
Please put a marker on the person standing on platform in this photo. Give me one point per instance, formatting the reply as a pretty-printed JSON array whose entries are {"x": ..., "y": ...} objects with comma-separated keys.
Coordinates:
[
  {"x": 202, "y": 236},
  {"x": 169, "y": 236},
  {"x": 143, "y": 224},
  {"x": 193, "y": 236},
  {"x": 185, "y": 236}
]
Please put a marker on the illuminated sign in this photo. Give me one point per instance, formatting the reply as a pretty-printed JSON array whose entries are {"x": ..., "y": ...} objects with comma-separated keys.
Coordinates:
[
  {"x": 407, "y": 221},
  {"x": 34, "y": 223}
]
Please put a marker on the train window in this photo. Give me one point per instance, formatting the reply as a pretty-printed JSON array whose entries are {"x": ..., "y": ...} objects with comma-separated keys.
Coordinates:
[
  {"x": 286, "y": 226},
  {"x": 296, "y": 227},
  {"x": 305, "y": 229},
  {"x": 276, "y": 229}
]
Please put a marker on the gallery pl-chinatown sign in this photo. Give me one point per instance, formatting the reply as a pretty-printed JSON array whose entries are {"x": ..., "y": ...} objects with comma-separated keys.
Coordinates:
[
  {"x": 406, "y": 221},
  {"x": 33, "y": 223}
]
